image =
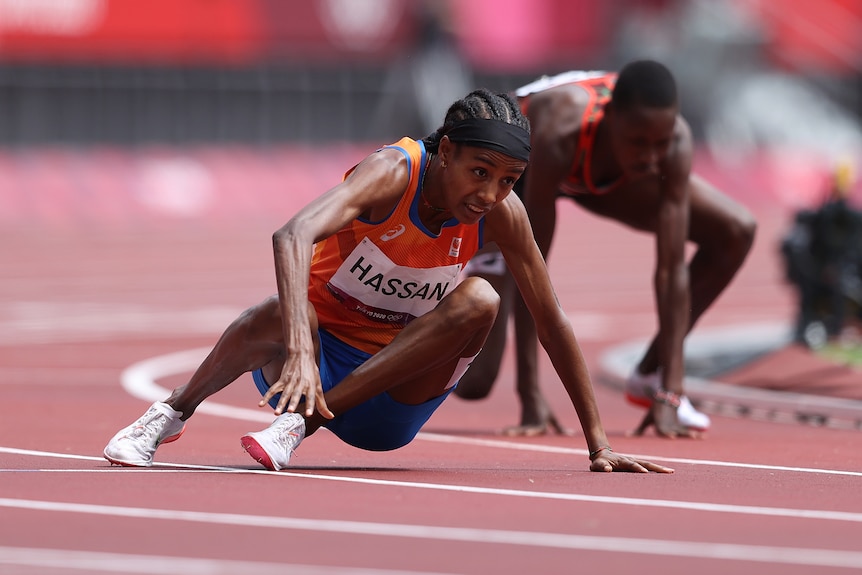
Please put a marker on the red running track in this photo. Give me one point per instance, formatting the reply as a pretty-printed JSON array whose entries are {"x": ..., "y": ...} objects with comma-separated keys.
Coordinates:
[{"x": 85, "y": 311}]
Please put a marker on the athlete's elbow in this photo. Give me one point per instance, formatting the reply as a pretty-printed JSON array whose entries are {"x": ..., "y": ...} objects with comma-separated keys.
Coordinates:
[{"x": 288, "y": 234}]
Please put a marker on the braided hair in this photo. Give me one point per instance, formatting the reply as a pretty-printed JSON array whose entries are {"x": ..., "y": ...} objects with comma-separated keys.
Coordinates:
[{"x": 481, "y": 103}]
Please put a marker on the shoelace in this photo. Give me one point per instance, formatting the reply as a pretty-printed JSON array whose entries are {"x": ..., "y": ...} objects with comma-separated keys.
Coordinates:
[
  {"x": 285, "y": 433},
  {"x": 150, "y": 429}
]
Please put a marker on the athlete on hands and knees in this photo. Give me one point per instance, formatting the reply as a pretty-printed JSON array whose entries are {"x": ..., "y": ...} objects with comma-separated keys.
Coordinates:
[
  {"x": 370, "y": 330},
  {"x": 618, "y": 146}
]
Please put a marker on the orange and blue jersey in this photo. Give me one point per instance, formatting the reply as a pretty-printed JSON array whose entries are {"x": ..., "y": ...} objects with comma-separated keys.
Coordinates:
[
  {"x": 599, "y": 88},
  {"x": 370, "y": 279}
]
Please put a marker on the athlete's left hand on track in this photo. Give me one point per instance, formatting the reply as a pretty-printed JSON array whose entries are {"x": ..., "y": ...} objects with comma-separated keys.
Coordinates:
[{"x": 608, "y": 461}]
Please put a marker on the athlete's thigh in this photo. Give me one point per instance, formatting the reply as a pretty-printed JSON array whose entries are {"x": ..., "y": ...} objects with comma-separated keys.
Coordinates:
[
  {"x": 713, "y": 213},
  {"x": 426, "y": 386},
  {"x": 454, "y": 332}
]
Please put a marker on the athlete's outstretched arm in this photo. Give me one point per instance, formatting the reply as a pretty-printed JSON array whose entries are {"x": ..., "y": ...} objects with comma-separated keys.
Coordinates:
[
  {"x": 509, "y": 226},
  {"x": 373, "y": 186}
]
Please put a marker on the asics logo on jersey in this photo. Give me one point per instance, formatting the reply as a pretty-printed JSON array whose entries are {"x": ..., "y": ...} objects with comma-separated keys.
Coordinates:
[{"x": 393, "y": 233}]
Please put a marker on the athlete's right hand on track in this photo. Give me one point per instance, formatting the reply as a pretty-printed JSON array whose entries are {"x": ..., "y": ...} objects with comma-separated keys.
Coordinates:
[{"x": 299, "y": 382}]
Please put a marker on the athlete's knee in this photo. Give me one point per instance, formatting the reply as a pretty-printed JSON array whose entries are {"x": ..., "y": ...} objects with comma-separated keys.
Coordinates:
[
  {"x": 479, "y": 379},
  {"x": 261, "y": 322},
  {"x": 728, "y": 243},
  {"x": 744, "y": 226},
  {"x": 741, "y": 232},
  {"x": 476, "y": 302},
  {"x": 475, "y": 385}
]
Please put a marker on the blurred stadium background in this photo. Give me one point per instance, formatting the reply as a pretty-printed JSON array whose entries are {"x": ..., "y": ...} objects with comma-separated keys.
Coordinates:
[{"x": 122, "y": 111}]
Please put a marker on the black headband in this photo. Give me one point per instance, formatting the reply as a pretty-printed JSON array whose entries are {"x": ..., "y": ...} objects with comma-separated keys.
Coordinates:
[{"x": 494, "y": 135}]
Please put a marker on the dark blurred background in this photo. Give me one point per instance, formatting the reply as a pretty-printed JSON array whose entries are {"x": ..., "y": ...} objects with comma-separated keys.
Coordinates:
[
  {"x": 149, "y": 148},
  {"x": 183, "y": 85}
]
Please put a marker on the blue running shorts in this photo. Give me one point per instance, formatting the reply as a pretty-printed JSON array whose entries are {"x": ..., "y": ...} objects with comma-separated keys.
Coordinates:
[{"x": 379, "y": 424}]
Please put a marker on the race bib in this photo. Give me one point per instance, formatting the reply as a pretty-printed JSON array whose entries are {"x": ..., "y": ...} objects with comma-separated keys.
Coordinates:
[{"x": 368, "y": 282}]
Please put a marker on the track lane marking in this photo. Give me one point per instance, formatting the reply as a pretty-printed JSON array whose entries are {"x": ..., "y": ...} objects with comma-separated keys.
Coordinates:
[
  {"x": 575, "y": 451},
  {"x": 140, "y": 381},
  {"x": 90, "y": 561},
  {"x": 631, "y": 545},
  {"x": 817, "y": 514}
]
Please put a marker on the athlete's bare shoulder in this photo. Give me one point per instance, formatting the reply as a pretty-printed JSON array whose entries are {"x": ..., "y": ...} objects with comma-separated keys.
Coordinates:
[
  {"x": 387, "y": 165},
  {"x": 379, "y": 180},
  {"x": 388, "y": 158},
  {"x": 557, "y": 110},
  {"x": 557, "y": 103}
]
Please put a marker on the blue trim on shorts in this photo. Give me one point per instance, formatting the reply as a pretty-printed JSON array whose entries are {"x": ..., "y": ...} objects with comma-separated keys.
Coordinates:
[{"x": 379, "y": 424}]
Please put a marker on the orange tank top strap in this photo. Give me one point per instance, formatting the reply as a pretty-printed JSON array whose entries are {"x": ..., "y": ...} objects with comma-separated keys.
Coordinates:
[{"x": 599, "y": 90}]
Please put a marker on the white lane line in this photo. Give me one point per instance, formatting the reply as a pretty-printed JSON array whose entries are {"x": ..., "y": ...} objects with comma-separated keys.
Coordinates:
[
  {"x": 759, "y": 511},
  {"x": 139, "y": 380},
  {"x": 162, "y": 565},
  {"x": 727, "y": 551},
  {"x": 573, "y": 451}
]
